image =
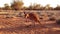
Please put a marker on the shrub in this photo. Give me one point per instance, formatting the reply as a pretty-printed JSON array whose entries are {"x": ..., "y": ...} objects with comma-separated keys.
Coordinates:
[
  {"x": 17, "y": 5},
  {"x": 7, "y": 7}
]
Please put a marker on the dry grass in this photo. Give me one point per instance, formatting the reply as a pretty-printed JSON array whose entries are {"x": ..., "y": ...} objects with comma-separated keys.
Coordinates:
[{"x": 22, "y": 25}]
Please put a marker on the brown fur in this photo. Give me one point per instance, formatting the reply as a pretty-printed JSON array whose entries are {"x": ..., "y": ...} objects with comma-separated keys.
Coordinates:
[{"x": 32, "y": 16}]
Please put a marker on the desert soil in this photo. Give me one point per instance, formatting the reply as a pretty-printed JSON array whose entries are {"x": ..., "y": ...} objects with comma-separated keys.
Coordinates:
[{"x": 25, "y": 26}]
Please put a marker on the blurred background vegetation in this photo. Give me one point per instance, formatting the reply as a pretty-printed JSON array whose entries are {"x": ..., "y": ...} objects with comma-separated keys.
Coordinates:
[{"x": 18, "y": 5}]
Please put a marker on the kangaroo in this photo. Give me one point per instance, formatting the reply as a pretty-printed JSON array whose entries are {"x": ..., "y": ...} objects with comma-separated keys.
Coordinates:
[{"x": 33, "y": 17}]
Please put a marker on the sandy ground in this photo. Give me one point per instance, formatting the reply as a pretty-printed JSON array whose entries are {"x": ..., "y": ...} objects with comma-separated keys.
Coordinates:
[{"x": 25, "y": 26}]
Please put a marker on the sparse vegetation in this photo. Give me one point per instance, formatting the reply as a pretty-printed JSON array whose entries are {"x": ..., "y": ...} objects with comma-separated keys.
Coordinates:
[
  {"x": 57, "y": 8},
  {"x": 7, "y": 7},
  {"x": 25, "y": 22},
  {"x": 17, "y": 5}
]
